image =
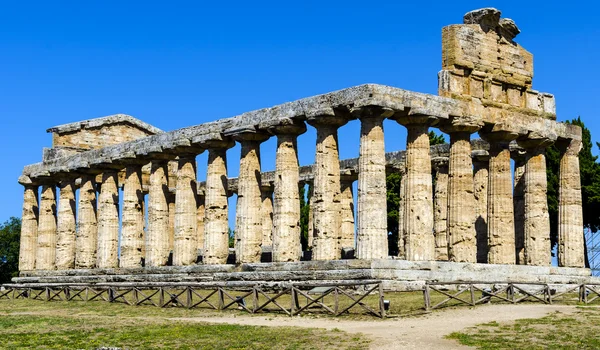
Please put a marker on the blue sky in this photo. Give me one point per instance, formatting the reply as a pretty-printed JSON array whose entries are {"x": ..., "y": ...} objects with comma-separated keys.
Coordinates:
[{"x": 175, "y": 64}]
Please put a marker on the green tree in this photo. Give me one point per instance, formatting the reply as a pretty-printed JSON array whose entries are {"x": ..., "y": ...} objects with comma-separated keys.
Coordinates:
[
  {"x": 304, "y": 211},
  {"x": 10, "y": 233}
]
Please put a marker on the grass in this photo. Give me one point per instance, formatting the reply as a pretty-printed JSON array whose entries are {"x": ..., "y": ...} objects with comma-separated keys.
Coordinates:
[
  {"x": 580, "y": 330},
  {"x": 79, "y": 325}
]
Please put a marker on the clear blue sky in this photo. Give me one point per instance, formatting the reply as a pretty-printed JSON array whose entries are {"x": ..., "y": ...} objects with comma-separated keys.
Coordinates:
[{"x": 174, "y": 64}]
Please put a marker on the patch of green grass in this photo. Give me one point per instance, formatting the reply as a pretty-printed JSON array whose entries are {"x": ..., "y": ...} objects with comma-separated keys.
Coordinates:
[
  {"x": 78, "y": 325},
  {"x": 556, "y": 331}
]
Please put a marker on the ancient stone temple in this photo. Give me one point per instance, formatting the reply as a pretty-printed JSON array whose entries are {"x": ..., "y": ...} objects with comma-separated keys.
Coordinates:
[{"x": 117, "y": 199}]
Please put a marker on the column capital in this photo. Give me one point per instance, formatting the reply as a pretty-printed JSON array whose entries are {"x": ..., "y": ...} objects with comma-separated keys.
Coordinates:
[
  {"x": 250, "y": 136},
  {"x": 417, "y": 117},
  {"x": 288, "y": 127},
  {"x": 499, "y": 134},
  {"x": 439, "y": 163},
  {"x": 327, "y": 120},
  {"x": 467, "y": 124},
  {"x": 372, "y": 112},
  {"x": 480, "y": 155},
  {"x": 569, "y": 146}
]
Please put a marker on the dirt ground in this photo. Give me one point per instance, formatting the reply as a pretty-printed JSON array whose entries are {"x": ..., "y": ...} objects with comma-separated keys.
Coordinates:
[{"x": 421, "y": 332}]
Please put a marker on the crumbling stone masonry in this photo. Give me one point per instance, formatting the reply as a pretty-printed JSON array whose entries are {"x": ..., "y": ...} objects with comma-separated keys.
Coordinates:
[{"x": 458, "y": 204}]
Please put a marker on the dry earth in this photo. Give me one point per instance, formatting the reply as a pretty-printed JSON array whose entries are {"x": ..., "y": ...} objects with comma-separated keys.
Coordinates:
[{"x": 421, "y": 332}]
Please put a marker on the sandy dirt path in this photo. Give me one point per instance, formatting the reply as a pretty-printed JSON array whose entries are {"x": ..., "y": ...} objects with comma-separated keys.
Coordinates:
[{"x": 420, "y": 332}]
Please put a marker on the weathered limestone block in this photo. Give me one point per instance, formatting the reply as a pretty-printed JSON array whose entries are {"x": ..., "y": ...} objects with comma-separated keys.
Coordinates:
[
  {"x": 86, "y": 241},
  {"x": 440, "y": 209},
  {"x": 200, "y": 223},
  {"x": 266, "y": 210},
  {"x": 65, "y": 228},
  {"x": 462, "y": 244},
  {"x": 519, "y": 208},
  {"x": 46, "y": 243},
  {"x": 216, "y": 226},
  {"x": 347, "y": 205},
  {"x": 480, "y": 181},
  {"x": 326, "y": 193},
  {"x": 29, "y": 228},
  {"x": 248, "y": 225},
  {"x": 371, "y": 237},
  {"x": 286, "y": 211},
  {"x": 108, "y": 221},
  {"x": 132, "y": 236},
  {"x": 570, "y": 213},
  {"x": 501, "y": 226},
  {"x": 402, "y": 200},
  {"x": 157, "y": 242},
  {"x": 419, "y": 241},
  {"x": 185, "y": 251}
]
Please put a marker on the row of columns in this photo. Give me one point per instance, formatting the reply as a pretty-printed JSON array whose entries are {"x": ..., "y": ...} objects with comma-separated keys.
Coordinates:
[{"x": 93, "y": 239}]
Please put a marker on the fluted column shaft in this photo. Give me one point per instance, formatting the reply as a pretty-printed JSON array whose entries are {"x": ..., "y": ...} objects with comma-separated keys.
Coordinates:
[
  {"x": 418, "y": 202},
  {"x": 347, "y": 204},
  {"x": 570, "y": 212},
  {"x": 185, "y": 250},
  {"x": 440, "y": 213},
  {"x": 248, "y": 225},
  {"x": 46, "y": 243},
  {"x": 480, "y": 182},
  {"x": 402, "y": 201},
  {"x": 537, "y": 219},
  {"x": 65, "y": 228},
  {"x": 132, "y": 226},
  {"x": 326, "y": 195},
  {"x": 519, "y": 208},
  {"x": 266, "y": 210},
  {"x": 501, "y": 227},
  {"x": 371, "y": 237},
  {"x": 216, "y": 227},
  {"x": 311, "y": 216},
  {"x": 286, "y": 210},
  {"x": 200, "y": 224},
  {"x": 29, "y": 228},
  {"x": 157, "y": 242},
  {"x": 108, "y": 221},
  {"x": 86, "y": 241}
]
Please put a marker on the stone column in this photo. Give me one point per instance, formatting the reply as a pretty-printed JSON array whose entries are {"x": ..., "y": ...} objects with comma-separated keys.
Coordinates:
[
  {"x": 185, "y": 250},
  {"x": 65, "y": 228},
  {"x": 570, "y": 212},
  {"x": 286, "y": 201},
  {"x": 216, "y": 225},
  {"x": 326, "y": 193},
  {"x": 86, "y": 240},
  {"x": 29, "y": 228},
  {"x": 462, "y": 244},
  {"x": 402, "y": 200},
  {"x": 419, "y": 242},
  {"x": 266, "y": 210},
  {"x": 347, "y": 204},
  {"x": 157, "y": 242},
  {"x": 518, "y": 156},
  {"x": 480, "y": 182},
  {"x": 108, "y": 221},
  {"x": 46, "y": 243},
  {"x": 371, "y": 235},
  {"x": 440, "y": 209},
  {"x": 501, "y": 226},
  {"x": 248, "y": 223},
  {"x": 132, "y": 226},
  {"x": 311, "y": 215},
  {"x": 200, "y": 224}
]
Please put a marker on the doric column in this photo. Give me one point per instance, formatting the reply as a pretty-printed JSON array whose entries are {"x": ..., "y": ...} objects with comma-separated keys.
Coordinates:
[
  {"x": 65, "y": 228},
  {"x": 537, "y": 219},
  {"x": 501, "y": 226},
  {"x": 418, "y": 191},
  {"x": 347, "y": 205},
  {"x": 171, "y": 206},
  {"x": 46, "y": 243},
  {"x": 108, "y": 221},
  {"x": 132, "y": 230},
  {"x": 29, "y": 228},
  {"x": 327, "y": 220},
  {"x": 371, "y": 235},
  {"x": 200, "y": 223},
  {"x": 440, "y": 209},
  {"x": 480, "y": 183},
  {"x": 518, "y": 156},
  {"x": 311, "y": 215},
  {"x": 266, "y": 210},
  {"x": 462, "y": 244},
  {"x": 157, "y": 242},
  {"x": 86, "y": 241},
  {"x": 402, "y": 201},
  {"x": 570, "y": 212},
  {"x": 185, "y": 246},
  {"x": 248, "y": 221},
  {"x": 216, "y": 226},
  {"x": 286, "y": 201}
]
